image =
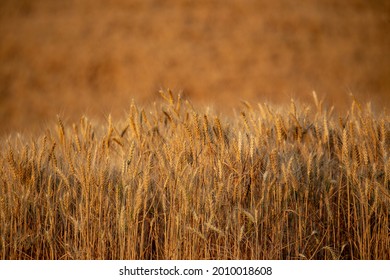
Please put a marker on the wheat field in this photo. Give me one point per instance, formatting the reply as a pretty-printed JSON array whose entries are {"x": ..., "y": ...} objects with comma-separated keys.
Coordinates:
[{"x": 171, "y": 181}]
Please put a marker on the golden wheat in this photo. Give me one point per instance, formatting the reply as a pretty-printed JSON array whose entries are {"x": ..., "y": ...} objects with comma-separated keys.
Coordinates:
[{"x": 178, "y": 185}]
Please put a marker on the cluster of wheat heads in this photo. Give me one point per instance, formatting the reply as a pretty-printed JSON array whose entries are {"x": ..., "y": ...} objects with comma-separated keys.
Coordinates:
[{"x": 172, "y": 182}]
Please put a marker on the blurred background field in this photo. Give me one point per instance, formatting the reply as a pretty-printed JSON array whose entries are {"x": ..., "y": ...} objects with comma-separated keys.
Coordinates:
[{"x": 93, "y": 56}]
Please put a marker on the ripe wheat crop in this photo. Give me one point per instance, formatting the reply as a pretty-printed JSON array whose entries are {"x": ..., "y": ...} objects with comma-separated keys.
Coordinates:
[{"x": 174, "y": 182}]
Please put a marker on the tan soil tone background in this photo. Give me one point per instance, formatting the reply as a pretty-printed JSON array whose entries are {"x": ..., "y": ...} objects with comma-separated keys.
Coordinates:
[{"x": 93, "y": 56}]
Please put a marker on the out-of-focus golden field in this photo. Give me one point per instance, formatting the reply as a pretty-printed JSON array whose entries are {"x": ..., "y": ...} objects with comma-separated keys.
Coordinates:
[
  {"x": 92, "y": 57},
  {"x": 259, "y": 152}
]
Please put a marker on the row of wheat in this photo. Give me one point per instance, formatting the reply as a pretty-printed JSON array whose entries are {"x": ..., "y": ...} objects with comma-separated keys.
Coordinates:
[{"x": 172, "y": 182}]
